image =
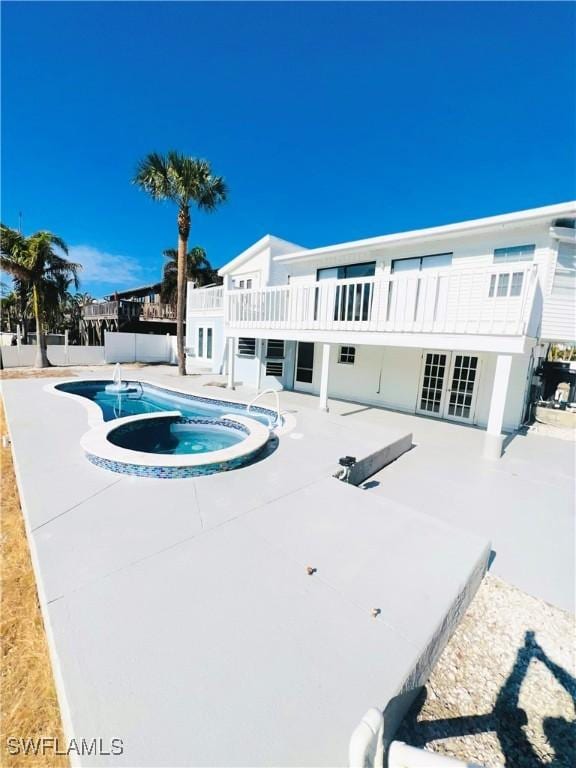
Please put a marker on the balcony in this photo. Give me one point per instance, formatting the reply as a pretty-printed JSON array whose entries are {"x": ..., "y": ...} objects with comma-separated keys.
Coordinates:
[
  {"x": 112, "y": 310},
  {"x": 205, "y": 299},
  {"x": 125, "y": 310},
  {"x": 157, "y": 311},
  {"x": 496, "y": 300}
]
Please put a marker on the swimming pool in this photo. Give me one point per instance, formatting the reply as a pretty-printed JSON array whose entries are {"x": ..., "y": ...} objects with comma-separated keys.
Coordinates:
[
  {"x": 142, "y": 429},
  {"x": 142, "y": 397}
]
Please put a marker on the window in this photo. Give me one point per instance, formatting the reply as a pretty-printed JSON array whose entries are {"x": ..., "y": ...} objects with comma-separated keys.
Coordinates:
[
  {"x": 200, "y": 342},
  {"x": 249, "y": 283},
  {"x": 502, "y": 285},
  {"x": 352, "y": 301},
  {"x": 347, "y": 355},
  {"x": 565, "y": 272},
  {"x": 240, "y": 283},
  {"x": 516, "y": 284},
  {"x": 435, "y": 261},
  {"x": 347, "y": 272},
  {"x": 246, "y": 347},
  {"x": 514, "y": 253},
  {"x": 274, "y": 369},
  {"x": 275, "y": 349}
]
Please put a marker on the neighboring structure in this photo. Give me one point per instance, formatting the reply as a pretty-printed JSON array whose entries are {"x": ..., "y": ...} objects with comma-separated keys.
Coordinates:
[
  {"x": 446, "y": 322},
  {"x": 138, "y": 310}
]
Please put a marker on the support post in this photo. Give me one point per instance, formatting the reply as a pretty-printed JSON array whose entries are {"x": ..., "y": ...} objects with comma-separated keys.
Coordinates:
[
  {"x": 494, "y": 439},
  {"x": 66, "y": 352},
  {"x": 323, "y": 405},
  {"x": 231, "y": 363}
]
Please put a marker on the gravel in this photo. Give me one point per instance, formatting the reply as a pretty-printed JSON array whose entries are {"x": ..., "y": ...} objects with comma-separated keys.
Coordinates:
[{"x": 504, "y": 690}]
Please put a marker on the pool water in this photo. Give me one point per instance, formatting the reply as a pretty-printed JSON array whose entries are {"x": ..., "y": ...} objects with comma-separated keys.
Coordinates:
[
  {"x": 145, "y": 398},
  {"x": 176, "y": 436}
]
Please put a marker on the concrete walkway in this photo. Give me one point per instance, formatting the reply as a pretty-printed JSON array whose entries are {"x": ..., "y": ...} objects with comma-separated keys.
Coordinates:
[
  {"x": 180, "y": 614},
  {"x": 525, "y": 503}
]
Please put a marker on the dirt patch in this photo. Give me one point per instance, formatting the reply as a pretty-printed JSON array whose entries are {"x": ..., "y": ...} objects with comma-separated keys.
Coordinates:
[
  {"x": 37, "y": 373},
  {"x": 28, "y": 704}
]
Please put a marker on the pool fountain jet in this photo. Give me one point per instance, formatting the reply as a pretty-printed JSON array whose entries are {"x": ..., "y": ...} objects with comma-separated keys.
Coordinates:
[{"x": 118, "y": 386}]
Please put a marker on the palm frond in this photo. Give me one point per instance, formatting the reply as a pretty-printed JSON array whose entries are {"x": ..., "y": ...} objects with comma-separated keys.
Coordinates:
[
  {"x": 152, "y": 175},
  {"x": 15, "y": 268}
]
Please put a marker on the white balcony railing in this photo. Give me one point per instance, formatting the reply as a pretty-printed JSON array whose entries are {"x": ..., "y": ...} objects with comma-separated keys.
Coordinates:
[
  {"x": 494, "y": 300},
  {"x": 204, "y": 299}
]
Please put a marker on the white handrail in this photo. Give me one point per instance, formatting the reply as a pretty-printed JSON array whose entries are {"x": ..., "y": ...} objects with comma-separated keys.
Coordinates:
[{"x": 265, "y": 392}]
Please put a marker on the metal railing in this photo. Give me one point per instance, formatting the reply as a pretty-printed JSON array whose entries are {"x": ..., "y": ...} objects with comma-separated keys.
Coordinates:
[
  {"x": 276, "y": 397},
  {"x": 493, "y": 300}
]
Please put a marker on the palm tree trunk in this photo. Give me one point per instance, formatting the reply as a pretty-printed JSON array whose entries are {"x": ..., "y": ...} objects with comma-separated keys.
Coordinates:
[
  {"x": 183, "y": 232},
  {"x": 41, "y": 356}
]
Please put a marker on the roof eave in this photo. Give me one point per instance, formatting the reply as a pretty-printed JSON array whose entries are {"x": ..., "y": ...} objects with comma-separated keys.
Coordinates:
[{"x": 446, "y": 230}]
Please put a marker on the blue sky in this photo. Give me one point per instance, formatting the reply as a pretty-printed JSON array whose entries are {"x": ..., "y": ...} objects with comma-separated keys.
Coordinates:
[{"x": 329, "y": 121}]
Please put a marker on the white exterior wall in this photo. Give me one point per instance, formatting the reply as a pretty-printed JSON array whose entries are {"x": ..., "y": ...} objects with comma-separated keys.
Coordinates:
[
  {"x": 247, "y": 369},
  {"x": 469, "y": 251},
  {"x": 389, "y": 377},
  {"x": 260, "y": 266},
  {"x": 559, "y": 316}
]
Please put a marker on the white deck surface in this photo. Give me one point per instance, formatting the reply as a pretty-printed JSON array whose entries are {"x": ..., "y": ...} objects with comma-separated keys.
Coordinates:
[{"x": 180, "y": 613}]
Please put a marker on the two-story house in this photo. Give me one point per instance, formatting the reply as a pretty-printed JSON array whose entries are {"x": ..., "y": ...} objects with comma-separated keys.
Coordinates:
[{"x": 448, "y": 322}]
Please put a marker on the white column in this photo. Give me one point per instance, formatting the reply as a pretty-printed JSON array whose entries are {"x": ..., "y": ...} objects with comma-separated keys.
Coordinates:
[
  {"x": 66, "y": 352},
  {"x": 230, "y": 362},
  {"x": 324, "y": 377},
  {"x": 494, "y": 438}
]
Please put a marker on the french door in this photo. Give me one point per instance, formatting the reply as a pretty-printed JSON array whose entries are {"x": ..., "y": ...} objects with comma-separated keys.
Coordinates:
[
  {"x": 204, "y": 342},
  {"x": 304, "y": 373},
  {"x": 448, "y": 386}
]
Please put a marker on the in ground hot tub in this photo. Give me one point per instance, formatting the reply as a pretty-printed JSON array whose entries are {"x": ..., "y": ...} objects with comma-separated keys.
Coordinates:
[
  {"x": 169, "y": 445},
  {"x": 178, "y": 435}
]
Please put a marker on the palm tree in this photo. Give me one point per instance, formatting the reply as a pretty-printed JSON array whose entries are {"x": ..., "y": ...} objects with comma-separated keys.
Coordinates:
[
  {"x": 198, "y": 268},
  {"x": 34, "y": 263},
  {"x": 182, "y": 180}
]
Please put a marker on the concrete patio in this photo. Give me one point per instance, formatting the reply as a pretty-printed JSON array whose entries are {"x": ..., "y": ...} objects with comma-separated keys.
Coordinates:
[{"x": 180, "y": 614}]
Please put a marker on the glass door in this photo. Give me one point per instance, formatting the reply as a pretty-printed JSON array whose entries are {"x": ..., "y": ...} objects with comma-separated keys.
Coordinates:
[
  {"x": 304, "y": 366},
  {"x": 433, "y": 383},
  {"x": 461, "y": 397},
  {"x": 204, "y": 345},
  {"x": 448, "y": 386}
]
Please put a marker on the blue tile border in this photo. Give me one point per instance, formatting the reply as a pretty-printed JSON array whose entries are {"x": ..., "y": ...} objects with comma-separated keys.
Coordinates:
[{"x": 169, "y": 473}]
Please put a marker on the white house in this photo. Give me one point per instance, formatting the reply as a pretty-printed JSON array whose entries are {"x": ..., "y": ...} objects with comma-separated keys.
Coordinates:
[{"x": 448, "y": 322}]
